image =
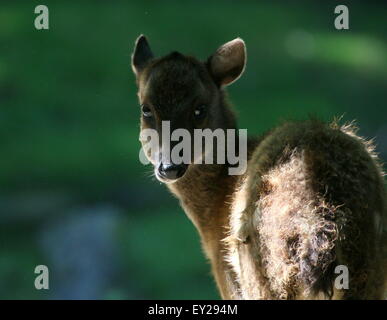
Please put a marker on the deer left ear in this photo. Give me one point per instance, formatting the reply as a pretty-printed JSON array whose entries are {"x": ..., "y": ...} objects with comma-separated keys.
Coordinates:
[
  {"x": 142, "y": 54},
  {"x": 227, "y": 64}
]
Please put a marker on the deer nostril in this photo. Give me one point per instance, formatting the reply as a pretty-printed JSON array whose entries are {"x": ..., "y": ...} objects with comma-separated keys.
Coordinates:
[{"x": 172, "y": 171}]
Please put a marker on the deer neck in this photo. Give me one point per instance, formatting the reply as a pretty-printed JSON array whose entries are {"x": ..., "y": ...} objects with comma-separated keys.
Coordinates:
[{"x": 203, "y": 193}]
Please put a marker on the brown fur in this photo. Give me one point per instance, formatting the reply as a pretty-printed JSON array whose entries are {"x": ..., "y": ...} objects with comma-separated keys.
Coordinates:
[{"x": 312, "y": 197}]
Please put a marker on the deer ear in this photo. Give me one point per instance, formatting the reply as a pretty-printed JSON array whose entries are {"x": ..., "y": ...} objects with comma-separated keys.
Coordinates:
[
  {"x": 142, "y": 54},
  {"x": 228, "y": 62}
]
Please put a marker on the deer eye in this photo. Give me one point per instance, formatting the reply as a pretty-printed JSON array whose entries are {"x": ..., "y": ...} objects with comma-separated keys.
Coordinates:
[
  {"x": 200, "y": 112},
  {"x": 146, "y": 111}
]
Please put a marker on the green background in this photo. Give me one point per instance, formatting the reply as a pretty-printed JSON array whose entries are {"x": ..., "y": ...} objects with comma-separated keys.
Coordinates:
[{"x": 73, "y": 194}]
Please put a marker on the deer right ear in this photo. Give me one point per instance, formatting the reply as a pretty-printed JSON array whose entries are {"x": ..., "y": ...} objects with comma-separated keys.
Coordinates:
[
  {"x": 142, "y": 54},
  {"x": 227, "y": 64}
]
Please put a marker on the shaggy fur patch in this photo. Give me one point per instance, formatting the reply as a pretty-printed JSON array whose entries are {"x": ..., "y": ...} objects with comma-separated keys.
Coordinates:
[{"x": 305, "y": 207}]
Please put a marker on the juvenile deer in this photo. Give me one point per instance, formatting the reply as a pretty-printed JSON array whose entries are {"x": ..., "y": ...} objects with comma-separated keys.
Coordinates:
[{"x": 312, "y": 197}]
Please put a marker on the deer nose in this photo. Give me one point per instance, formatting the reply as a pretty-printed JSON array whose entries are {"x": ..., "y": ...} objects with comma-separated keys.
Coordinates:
[{"x": 172, "y": 171}]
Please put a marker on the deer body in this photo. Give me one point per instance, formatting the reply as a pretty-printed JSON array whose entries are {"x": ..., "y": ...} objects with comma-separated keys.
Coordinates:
[{"x": 312, "y": 197}]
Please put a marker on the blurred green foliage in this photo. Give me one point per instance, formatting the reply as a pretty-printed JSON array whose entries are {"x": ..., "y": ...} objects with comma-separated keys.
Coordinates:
[{"x": 69, "y": 118}]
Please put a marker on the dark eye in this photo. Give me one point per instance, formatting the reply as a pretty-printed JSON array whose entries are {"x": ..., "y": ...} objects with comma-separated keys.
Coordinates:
[
  {"x": 200, "y": 112},
  {"x": 146, "y": 111}
]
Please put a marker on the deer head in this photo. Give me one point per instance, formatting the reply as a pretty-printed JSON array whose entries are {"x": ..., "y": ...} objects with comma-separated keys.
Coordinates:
[{"x": 186, "y": 92}]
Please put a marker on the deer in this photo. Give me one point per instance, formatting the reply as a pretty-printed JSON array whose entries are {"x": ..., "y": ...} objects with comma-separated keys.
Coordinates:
[{"x": 312, "y": 197}]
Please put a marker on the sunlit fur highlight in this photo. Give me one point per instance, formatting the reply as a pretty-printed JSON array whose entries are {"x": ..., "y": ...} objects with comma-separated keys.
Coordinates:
[{"x": 297, "y": 233}]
